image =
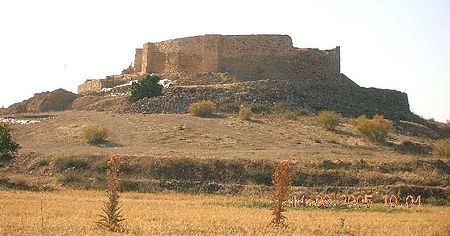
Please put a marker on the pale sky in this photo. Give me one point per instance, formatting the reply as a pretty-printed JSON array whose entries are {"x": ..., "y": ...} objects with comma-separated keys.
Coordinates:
[{"x": 401, "y": 45}]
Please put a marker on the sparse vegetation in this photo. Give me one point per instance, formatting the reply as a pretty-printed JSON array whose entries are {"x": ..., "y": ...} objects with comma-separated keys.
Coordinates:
[
  {"x": 329, "y": 119},
  {"x": 441, "y": 148},
  {"x": 260, "y": 108},
  {"x": 229, "y": 107},
  {"x": 65, "y": 163},
  {"x": 375, "y": 129},
  {"x": 146, "y": 87},
  {"x": 245, "y": 113},
  {"x": 7, "y": 146},
  {"x": 70, "y": 212},
  {"x": 202, "y": 109},
  {"x": 282, "y": 181},
  {"x": 302, "y": 112},
  {"x": 286, "y": 115},
  {"x": 95, "y": 134},
  {"x": 281, "y": 107},
  {"x": 112, "y": 218},
  {"x": 43, "y": 162}
]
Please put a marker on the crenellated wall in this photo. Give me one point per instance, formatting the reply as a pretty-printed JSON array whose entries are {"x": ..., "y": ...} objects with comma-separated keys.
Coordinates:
[{"x": 249, "y": 57}]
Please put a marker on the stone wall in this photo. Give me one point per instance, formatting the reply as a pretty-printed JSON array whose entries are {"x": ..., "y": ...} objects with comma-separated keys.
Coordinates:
[
  {"x": 338, "y": 94},
  {"x": 138, "y": 61},
  {"x": 91, "y": 86},
  {"x": 249, "y": 57}
]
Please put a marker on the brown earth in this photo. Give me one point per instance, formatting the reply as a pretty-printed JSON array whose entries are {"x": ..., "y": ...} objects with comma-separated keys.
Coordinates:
[
  {"x": 224, "y": 155},
  {"x": 183, "y": 135}
]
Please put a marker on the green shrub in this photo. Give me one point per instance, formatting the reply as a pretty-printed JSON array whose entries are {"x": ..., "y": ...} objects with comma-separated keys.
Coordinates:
[
  {"x": 43, "y": 162},
  {"x": 375, "y": 129},
  {"x": 7, "y": 145},
  {"x": 202, "y": 109},
  {"x": 65, "y": 163},
  {"x": 95, "y": 134},
  {"x": 441, "y": 148},
  {"x": 146, "y": 87},
  {"x": 259, "y": 108},
  {"x": 245, "y": 113},
  {"x": 329, "y": 119},
  {"x": 229, "y": 107}
]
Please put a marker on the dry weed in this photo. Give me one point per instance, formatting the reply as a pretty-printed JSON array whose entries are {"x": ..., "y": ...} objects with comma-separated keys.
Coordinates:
[
  {"x": 112, "y": 218},
  {"x": 282, "y": 181}
]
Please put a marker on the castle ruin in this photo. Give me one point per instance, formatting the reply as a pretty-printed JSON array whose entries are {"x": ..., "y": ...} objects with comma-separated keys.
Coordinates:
[
  {"x": 248, "y": 57},
  {"x": 248, "y": 69}
]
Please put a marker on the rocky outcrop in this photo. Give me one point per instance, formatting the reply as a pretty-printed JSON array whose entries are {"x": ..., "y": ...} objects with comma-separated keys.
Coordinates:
[
  {"x": 338, "y": 93},
  {"x": 57, "y": 100}
]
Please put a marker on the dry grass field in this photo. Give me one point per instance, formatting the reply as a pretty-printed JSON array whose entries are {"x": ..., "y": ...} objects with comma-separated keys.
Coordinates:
[{"x": 73, "y": 212}]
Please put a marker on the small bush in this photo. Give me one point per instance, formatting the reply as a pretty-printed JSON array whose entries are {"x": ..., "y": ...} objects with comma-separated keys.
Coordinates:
[
  {"x": 259, "y": 108},
  {"x": 146, "y": 87},
  {"x": 65, "y": 163},
  {"x": 43, "y": 162},
  {"x": 245, "y": 113},
  {"x": 229, "y": 107},
  {"x": 281, "y": 107},
  {"x": 375, "y": 129},
  {"x": 202, "y": 109},
  {"x": 329, "y": 119},
  {"x": 286, "y": 115},
  {"x": 302, "y": 112},
  {"x": 71, "y": 179},
  {"x": 7, "y": 146},
  {"x": 94, "y": 134},
  {"x": 259, "y": 175},
  {"x": 441, "y": 148}
]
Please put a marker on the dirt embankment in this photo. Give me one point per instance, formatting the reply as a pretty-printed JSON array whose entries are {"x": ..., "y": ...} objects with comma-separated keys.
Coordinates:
[
  {"x": 223, "y": 155},
  {"x": 57, "y": 100}
]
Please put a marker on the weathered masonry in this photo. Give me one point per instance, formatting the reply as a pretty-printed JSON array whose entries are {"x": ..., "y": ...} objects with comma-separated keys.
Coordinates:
[{"x": 248, "y": 57}]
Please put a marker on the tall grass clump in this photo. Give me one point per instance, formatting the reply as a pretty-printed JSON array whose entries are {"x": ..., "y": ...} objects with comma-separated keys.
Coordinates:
[
  {"x": 282, "y": 181},
  {"x": 245, "y": 113},
  {"x": 329, "y": 119},
  {"x": 112, "y": 218},
  {"x": 95, "y": 134},
  {"x": 441, "y": 148},
  {"x": 375, "y": 129},
  {"x": 202, "y": 109}
]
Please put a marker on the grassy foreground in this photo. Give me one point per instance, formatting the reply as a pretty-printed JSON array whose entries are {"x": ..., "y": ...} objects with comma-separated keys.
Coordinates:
[{"x": 73, "y": 212}]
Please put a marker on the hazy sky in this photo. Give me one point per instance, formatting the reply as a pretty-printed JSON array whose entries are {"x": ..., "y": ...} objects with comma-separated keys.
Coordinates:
[{"x": 401, "y": 45}]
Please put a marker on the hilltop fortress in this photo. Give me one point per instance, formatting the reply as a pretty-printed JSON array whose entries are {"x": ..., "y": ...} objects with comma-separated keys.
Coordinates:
[
  {"x": 246, "y": 69},
  {"x": 248, "y": 57}
]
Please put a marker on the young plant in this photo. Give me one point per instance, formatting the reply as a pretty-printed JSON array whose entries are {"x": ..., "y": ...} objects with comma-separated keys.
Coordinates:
[
  {"x": 112, "y": 218},
  {"x": 245, "y": 113},
  {"x": 282, "y": 181}
]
